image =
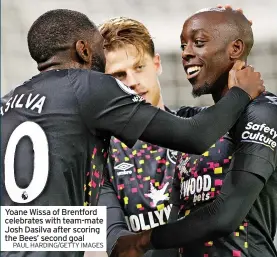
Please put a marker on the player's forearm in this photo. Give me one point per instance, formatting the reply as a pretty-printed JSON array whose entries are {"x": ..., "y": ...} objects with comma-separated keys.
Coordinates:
[
  {"x": 215, "y": 220},
  {"x": 114, "y": 232},
  {"x": 116, "y": 224},
  {"x": 197, "y": 134},
  {"x": 175, "y": 198},
  {"x": 173, "y": 213}
]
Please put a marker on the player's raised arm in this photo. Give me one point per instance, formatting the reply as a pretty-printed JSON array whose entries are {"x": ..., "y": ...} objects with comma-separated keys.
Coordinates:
[{"x": 109, "y": 106}]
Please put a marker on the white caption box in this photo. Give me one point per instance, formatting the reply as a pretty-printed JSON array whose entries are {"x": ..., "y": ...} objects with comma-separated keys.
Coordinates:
[{"x": 53, "y": 228}]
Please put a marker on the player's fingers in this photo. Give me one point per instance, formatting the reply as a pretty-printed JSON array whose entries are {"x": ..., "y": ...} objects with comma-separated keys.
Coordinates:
[
  {"x": 228, "y": 7},
  {"x": 219, "y": 6},
  {"x": 238, "y": 65},
  {"x": 250, "y": 67},
  {"x": 239, "y": 10},
  {"x": 262, "y": 89}
]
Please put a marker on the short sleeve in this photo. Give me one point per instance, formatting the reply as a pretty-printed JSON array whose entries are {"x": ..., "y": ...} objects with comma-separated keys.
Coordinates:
[
  {"x": 255, "y": 135},
  {"x": 107, "y": 105}
]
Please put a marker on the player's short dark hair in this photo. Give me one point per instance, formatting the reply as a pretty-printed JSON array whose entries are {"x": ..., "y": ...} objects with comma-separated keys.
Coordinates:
[
  {"x": 55, "y": 30},
  {"x": 239, "y": 26}
]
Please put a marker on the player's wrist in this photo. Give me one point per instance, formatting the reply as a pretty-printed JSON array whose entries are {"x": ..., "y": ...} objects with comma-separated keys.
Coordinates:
[
  {"x": 240, "y": 91},
  {"x": 246, "y": 93},
  {"x": 145, "y": 240}
]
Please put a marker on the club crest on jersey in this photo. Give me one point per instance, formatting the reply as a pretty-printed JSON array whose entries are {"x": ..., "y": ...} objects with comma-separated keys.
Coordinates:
[
  {"x": 157, "y": 195},
  {"x": 172, "y": 155},
  {"x": 182, "y": 166},
  {"x": 123, "y": 167}
]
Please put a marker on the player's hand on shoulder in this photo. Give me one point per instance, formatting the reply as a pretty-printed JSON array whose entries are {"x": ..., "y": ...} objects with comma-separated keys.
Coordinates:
[{"x": 246, "y": 78}]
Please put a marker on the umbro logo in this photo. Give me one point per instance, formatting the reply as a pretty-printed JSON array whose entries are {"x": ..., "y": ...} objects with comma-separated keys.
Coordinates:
[{"x": 123, "y": 167}]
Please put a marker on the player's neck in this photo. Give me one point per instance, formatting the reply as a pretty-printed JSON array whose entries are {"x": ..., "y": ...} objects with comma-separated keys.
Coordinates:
[
  {"x": 219, "y": 94},
  {"x": 220, "y": 87},
  {"x": 56, "y": 66},
  {"x": 58, "y": 62},
  {"x": 161, "y": 104}
]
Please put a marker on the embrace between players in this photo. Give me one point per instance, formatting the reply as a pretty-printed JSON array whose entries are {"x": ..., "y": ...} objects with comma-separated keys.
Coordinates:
[{"x": 222, "y": 197}]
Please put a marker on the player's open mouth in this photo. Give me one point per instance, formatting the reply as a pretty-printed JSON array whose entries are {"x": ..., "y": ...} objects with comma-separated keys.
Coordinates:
[{"x": 193, "y": 71}]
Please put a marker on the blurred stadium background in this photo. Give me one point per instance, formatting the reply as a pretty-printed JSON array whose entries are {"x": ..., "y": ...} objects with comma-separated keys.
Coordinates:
[{"x": 163, "y": 18}]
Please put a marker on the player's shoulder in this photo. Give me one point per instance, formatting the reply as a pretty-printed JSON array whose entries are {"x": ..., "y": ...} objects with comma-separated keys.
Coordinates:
[
  {"x": 88, "y": 74},
  {"x": 260, "y": 113},
  {"x": 97, "y": 79},
  {"x": 189, "y": 111},
  {"x": 258, "y": 124},
  {"x": 5, "y": 98},
  {"x": 118, "y": 147},
  {"x": 115, "y": 143},
  {"x": 267, "y": 97},
  {"x": 264, "y": 107}
]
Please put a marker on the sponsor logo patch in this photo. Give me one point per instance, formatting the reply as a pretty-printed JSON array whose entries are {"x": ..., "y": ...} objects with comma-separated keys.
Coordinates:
[{"x": 260, "y": 134}]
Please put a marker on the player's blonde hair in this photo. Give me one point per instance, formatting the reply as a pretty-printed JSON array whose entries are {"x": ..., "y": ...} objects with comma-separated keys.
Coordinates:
[{"x": 120, "y": 31}]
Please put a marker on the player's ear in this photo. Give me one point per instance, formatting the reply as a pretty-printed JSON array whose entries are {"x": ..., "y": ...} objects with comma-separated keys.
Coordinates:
[
  {"x": 83, "y": 51},
  {"x": 158, "y": 64},
  {"x": 236, "y": 49}
]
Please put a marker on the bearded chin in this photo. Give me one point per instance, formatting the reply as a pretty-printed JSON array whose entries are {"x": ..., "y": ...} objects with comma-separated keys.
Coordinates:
[
  {"x": 207, "y": 88},
  {"x": 202, "y": 90}
]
